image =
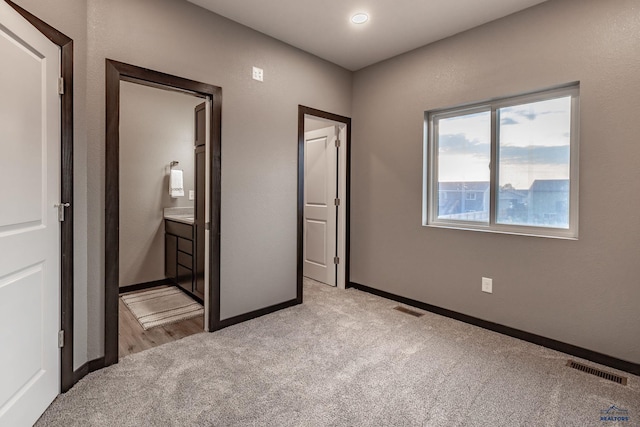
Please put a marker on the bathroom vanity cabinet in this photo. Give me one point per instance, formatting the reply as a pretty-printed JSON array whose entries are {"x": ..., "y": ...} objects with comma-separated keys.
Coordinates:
[{"x": 179, "y": 256}]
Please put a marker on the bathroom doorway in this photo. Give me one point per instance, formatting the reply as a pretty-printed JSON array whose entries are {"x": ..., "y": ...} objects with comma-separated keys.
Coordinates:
[
  {"x": 163, "y": 159},
  {"x": 158, "y": 300}
]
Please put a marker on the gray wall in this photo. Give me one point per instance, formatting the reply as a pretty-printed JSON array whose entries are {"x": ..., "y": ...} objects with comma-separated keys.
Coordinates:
[
  {"x": 156, "y": 127},
  {"x": 581, "y": 292},
  {"x": 259, "y": 138},
  {"x": 315, "y": 124}
]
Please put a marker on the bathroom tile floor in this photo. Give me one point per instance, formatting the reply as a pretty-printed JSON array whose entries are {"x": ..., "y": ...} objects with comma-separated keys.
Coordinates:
[{"x": 133, "y": 339}]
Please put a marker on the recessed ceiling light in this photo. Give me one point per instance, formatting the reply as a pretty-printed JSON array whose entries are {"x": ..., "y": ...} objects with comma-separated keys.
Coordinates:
[{"x": 359, "y": 18}]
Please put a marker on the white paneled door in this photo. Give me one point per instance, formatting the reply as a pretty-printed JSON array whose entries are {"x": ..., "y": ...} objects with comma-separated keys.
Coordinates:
[
  {"x": 29, "y": 227},
  {"x": 320, "y": 190}
]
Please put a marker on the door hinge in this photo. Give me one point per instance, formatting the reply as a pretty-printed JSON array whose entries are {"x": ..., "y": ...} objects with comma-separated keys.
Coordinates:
[
  {"x": 60, "y": 339},
  {"x": 336, "y": 202},
  {"x": 336, "y": 260},
  {"x": 337, "y": 143},
  {"x": 61, "y": 85},
  {"x": 61, "y": 207}
]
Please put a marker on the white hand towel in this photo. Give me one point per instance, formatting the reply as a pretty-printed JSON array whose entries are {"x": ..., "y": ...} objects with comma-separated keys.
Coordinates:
[{"x": 176, "y": 188}]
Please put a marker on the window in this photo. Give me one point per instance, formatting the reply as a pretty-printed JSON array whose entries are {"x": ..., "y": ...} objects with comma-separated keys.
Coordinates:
[{"x": 533, "y": 142}]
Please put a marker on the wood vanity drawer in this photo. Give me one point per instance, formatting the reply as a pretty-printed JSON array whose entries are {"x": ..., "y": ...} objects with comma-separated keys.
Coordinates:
[
  {"x": 185, "y": 245},
  {"x": 185, "y": 260},
  {"x": 179, "y": 229}
]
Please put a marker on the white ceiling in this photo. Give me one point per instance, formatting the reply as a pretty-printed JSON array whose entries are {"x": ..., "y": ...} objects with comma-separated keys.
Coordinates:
[{"x": 323, "y": 27}]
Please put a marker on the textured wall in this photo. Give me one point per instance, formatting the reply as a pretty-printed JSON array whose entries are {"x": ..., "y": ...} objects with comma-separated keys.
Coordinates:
[
  {"x": 314, "y": 124},
  {"x": 156, "y": 127},
  {"x": 259, "y": 136},
  {"x": 581, "y": 292}
]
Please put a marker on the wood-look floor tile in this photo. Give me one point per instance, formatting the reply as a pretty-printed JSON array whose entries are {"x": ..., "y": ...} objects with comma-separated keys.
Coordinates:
[{"x": 133, "y": 339}]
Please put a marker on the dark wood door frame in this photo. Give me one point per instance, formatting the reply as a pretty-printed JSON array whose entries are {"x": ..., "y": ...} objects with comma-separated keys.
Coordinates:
[
  {"x": 302, "y": 111},
  {"x": 66, "y": 191},
  {"x": 116, "y": 72}
]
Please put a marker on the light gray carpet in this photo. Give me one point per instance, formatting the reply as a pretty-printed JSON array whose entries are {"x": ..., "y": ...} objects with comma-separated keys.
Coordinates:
[{"x": 344, "y": 358}]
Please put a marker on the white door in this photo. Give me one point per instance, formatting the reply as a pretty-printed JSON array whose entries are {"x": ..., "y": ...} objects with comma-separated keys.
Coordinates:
[
  {"x": 29, "y": 227},
  {"x": 320, "y": 189}
]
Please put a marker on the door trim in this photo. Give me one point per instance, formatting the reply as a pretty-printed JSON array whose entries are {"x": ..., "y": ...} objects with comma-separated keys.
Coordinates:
[
  {"x": 116, "y": 72},
  {"x": 302, "y": 111},
  {"x": 66, "y": 228}
]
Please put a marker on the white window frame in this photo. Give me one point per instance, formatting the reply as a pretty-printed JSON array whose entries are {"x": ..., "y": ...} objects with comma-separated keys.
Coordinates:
[{"x": 430, "y": 165}]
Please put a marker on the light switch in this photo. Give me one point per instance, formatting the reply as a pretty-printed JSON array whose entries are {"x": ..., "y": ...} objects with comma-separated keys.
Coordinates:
[{"x": 192, "y": 195}]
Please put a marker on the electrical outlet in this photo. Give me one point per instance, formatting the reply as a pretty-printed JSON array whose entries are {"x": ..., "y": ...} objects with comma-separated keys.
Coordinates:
[
  {"x": 258, "y": 74},
  {"x": 192, "y": 195},
  {"x": 487, "y": 285}
]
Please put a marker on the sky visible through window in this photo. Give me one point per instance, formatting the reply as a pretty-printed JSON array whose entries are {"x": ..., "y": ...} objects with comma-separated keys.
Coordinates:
[
  {"x": 464, "y": 148},
  {"x": 534, "y": 144}
]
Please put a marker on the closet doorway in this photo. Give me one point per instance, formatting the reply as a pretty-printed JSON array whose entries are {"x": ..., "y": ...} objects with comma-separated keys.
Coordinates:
[
  {"x": 162, "y": 240},
  {"x": 323, "y": 197}
]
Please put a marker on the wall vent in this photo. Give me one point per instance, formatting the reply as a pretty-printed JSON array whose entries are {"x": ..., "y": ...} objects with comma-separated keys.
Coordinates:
[
  {"x": 597, "y": 372},
  {"x": 408, "y": 311}
]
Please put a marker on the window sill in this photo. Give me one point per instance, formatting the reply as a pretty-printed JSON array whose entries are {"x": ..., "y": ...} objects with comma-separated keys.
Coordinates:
[{"x": 544, "y": 233}]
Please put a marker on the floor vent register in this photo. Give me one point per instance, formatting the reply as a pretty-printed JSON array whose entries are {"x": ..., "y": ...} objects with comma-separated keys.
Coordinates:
[{"x": 597, "y": 372}]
